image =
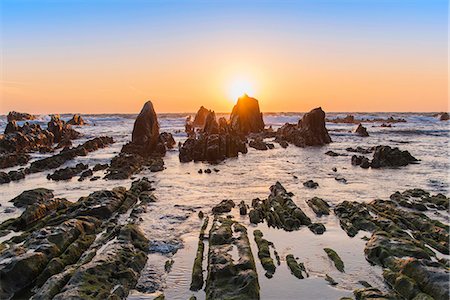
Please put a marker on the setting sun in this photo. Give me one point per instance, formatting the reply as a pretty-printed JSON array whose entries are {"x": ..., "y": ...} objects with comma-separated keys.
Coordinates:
[{"x": 240, "y": 86}]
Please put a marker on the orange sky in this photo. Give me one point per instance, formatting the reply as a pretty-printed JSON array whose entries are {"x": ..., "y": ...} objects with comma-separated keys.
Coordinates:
[{"x": 289, "y": 66}]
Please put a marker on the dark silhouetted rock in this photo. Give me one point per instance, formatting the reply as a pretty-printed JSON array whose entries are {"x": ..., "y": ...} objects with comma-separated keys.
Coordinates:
[
  {"x": 349, "y": 119},
  {"x": 18, "y": 116},
  {"x": 310, "y": 130},
  {"x": 385, "y": 156},
  {"x": 246, "y": 116},
  {"x": 59, "y": 159},
  {"x": 67, "y": 173},
  {"x": 223, "y": 207},
  {"x": 25, "y": 138},
  {"x": 61, "y": 130},
  {"x": 76, "y": 120},
  {"x": 444, "y": 117},
  {"x": 9, "y": 160},
  {"x": 258, "y": 144},
  {"x": 310, "y": 184},
  {"x": 146, "y": 128},
  {"x": 216, "y": 142},
  {"x": 361, "y": 130},
  {"x": 167, "y": 139},
  {"x": 200, "y": 117}
]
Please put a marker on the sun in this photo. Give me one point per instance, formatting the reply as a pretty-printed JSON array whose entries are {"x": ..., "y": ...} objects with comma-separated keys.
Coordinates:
[{"x": 240, "y": 86}]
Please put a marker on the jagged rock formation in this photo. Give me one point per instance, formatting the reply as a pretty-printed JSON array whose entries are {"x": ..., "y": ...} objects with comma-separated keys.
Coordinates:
[
  {"x": 146, "y": 129},
  {"x": 400, "y": 243},
  {"x": 65, "y": 250},
  {"x": 310, "y": 130},
  {"x": 61, "y": 130},
  {"x": 18, "y": 116},
  {"x": 25, "y": 138},
  {"x": 57, "y": 160},
  {"x": 214, "y": 143},
  {"x": 246, "y": 116},
  {"x": 146, "y": 149},
  {"x": 361, "y": 130},
  {"x": 385, "y": 156},
  {"x": 279, "y": 210},
  {"x": 200, "y": 117},
  {"x": 76, "y": 120}
]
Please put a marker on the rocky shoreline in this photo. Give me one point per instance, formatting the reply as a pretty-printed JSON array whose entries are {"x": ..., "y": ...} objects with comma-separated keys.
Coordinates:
[{"x": 95, "y": 248}]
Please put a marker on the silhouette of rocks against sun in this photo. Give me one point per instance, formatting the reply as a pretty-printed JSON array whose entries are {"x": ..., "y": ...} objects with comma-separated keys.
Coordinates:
[{"x": 246, "y": 117}]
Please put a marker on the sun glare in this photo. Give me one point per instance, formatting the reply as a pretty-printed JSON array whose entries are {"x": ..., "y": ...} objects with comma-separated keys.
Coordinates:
[{"x": 239, "y": 87}]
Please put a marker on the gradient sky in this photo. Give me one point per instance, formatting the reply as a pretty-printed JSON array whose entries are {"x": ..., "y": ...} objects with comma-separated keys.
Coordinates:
[{"x": 100, "y": 56}]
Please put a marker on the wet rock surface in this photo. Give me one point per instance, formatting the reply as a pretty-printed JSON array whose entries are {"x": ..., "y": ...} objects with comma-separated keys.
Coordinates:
[
  {"x": 74, "y": 250},
  {"x": 264, "y": 253},
  {"x": 310, "y": 130},
  {"x": 65, "y": 155},
  {"x": 67, "y": 173},
  {"x": 319, "y": 206},
  {"x": 278, "y": 210},
  {"x": 9, "y": 160},
  {"x": 385, "y": 157},
  {"x": 229, "y": 277},
  {"x": 401, "y": 241},
  {"x": 311, "y": 184}
]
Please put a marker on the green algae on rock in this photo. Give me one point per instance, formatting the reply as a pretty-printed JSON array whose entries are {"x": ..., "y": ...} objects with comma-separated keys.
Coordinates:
[
  {"x": 279, "y": 210},
  {"x": 297, "y": 269},
  {"x": 80, "y": 250},
  {"x": 264, "y": 253},
  {"x": 231, "y": 275},
  {"x": 338, "y": 263},
  {"x": 197, "y": 269},
  {"x": 319, "y": 206}
]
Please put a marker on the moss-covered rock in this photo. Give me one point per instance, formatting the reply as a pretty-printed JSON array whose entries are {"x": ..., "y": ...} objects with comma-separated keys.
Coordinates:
[
  {"x": 264, "y": 253},
  {"x": 297, "y": 269},
  {"x": 230, "y": 276},
  {"x": 338, "y": 263},
  {"x": 319, "y": 206},
  {"x": 279, "y": 210},
  {"x": 197, "y": 269}
]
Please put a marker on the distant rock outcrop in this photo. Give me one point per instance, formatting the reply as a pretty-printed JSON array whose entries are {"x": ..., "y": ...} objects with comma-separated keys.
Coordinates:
[
  {"x": 18, "y": 116},
  {"x": 246, "y": 117},
  {"x": 310, "y": 130},
  {"x": 444, "y": 117},
  {"x": 76, "y": 120},
  {"x": 361, "y": 131},
  {"x": 350, "y": 119},
  {"x": 61, "y": 130}
]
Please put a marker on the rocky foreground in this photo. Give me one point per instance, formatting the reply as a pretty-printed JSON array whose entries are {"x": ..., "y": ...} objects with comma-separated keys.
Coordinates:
[
  {"x": 90, "y": 249},
  {"x": 401, "y": 243}
]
